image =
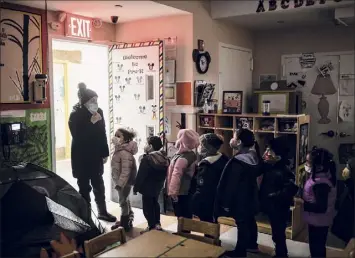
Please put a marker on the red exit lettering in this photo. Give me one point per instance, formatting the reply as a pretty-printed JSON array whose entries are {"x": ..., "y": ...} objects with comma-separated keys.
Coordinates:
[{"x": 78, "y": 27}]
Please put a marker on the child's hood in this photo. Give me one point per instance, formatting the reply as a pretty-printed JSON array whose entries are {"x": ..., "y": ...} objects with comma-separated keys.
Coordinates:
[{"x": 131, "y": 147}]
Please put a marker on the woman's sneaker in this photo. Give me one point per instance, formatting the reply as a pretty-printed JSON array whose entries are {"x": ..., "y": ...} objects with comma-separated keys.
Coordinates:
[
  {"x": 145, "y": 230},
  {"x": 158, "y": 227}
]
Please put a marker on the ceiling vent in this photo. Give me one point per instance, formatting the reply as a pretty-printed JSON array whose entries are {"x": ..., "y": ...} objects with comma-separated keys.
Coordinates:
[{"x": 345, "y": 16}]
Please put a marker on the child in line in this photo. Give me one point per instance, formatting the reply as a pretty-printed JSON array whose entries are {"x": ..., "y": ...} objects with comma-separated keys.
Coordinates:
[
  {"x": 124, "y": 171},
  {"x": 150, "y": 180},
  {"x": 208, "y": 174},
  {"x": 319, "y": 195},
  {"x": 181, "y": 172},
  {"x": 237, "y": 191},
  {"x": 277, "y": 191}
]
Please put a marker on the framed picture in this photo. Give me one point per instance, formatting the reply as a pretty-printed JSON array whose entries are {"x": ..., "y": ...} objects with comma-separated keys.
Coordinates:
[
  {"x": 150, "y": 131},
  {"x": 232, "y": 102},
  {"x": 303, "y": 145},
  {"x": 207, "y": 121},
  {"x": 169, "y": 76},
  {"x": 267, "y": 78},
  {"x": 170, "y": 93}
]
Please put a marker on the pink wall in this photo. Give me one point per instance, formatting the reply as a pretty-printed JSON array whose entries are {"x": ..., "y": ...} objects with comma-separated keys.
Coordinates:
[
  {"x": 103, "y": 35},
  {"x": 173, "y": 26}
]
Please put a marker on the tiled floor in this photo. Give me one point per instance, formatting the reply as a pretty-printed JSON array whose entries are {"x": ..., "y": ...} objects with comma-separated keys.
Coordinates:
[{"x": 169, "y": 223}]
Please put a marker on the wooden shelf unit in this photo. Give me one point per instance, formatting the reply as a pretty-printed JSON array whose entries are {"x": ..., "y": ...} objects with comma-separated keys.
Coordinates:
[{"x": 227, "y": 124}]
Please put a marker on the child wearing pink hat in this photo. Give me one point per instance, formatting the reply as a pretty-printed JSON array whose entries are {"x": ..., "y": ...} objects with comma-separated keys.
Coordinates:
[{"x": 181, "y": 171}]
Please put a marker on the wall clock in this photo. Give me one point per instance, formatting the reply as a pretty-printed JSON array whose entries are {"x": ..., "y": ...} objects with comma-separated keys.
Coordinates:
[{"x": 202, "y": 61}]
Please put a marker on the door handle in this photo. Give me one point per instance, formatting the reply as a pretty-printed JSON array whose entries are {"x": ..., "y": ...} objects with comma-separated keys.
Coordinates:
[
  {"x": 343, "y": 135},
  {"x": 330, "y": 133}
]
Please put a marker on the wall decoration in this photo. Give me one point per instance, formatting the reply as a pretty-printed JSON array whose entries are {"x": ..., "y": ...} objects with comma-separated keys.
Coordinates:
[
  {"x": 346, "y": 111},
  {"x": 346, "y": 85},
  {"x": 139, "y": 79},
  {"x": 267, "y": 78},
  {"x": 150, "y": 131},
  {"x": 296, "y": 80},
  {"x": 232, "y": 102},
  {"x": 142, "y": 110},
  {"x": 151, "y": 66},
  {"x": 128, "y": 80},
  {"x": 245, "y": 123},
  {"x": 119, "y": 67},
  {"x": 303, "y": 147},
  {"x": 118, "y": 79},
  {"x": 169, "y": 76},
  {"x": 170, "y": 94},
  {"x": 154, "y": 112},
  {"x": 323, "y": 86},
  {"x": 119, "y": 120},
  {"x": 202, "y": 60},
  {"x": 167, "y": 125},
  {"x": 21, "y": 54},
  {"x": 207, "y": 121},
  {"x": 345, "y": 152},
  {"x": 307, "y": 60},
  {"x": 37, "y": 146},
  {"x": 203, "y": 91},
  {"x": 141, "y": 88},
  {"x": 117, "y": 97}
]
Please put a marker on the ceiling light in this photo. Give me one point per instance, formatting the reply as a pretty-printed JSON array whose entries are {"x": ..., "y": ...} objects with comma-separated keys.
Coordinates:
[
  {"x": 118, "y": 5},
  {"x": 280, "y": 22}
]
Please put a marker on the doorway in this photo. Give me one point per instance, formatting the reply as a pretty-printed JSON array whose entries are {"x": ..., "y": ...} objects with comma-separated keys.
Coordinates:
[
  {"x": 235, "y": 71},
  {"x": 75, "y": 62}
]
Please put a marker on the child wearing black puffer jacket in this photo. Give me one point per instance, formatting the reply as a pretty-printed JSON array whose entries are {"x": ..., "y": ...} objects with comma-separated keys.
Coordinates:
[
  {"x": 277, "y": 191},
  {"x": 209, "y": 171},
  {"x": 150, "y": 180}
]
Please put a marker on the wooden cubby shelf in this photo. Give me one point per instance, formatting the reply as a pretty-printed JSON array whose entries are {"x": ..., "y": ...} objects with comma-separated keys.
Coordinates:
[{"x": 264, "y": 128}]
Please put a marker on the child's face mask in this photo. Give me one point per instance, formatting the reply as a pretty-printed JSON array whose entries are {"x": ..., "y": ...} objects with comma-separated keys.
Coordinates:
[
  {"x": 92, "y": 105},
  {"x": 116, "y": 140},
  {"x": 308, "y": 168}
]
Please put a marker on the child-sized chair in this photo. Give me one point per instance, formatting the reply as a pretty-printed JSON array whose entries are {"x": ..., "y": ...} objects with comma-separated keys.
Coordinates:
[
  {"x": 100, "y": 243},
  {"x": 190, "y": 225}
]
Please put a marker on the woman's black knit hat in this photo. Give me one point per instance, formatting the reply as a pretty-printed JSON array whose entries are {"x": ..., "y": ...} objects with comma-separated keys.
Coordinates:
[{"x": 85, "y": 94}]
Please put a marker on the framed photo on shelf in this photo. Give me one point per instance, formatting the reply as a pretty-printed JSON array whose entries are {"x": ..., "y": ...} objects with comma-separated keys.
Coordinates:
[{"x": 232, "y": 102}]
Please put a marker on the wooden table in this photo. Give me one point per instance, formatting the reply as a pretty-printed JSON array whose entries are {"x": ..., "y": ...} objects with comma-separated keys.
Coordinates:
[
  {"x": 194, "y": 248},
  {"x": 162, "y": 244}
]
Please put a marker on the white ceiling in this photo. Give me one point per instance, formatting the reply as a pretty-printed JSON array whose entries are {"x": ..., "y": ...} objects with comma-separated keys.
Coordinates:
[
  {"x": 290, "y": 18},
  {"x": 131, "y": 10}
]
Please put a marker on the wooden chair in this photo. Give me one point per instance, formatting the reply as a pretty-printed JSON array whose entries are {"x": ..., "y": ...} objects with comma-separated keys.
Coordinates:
[
  {"x": 100, "y": 243},
  {"x": 203, "y": 227}
]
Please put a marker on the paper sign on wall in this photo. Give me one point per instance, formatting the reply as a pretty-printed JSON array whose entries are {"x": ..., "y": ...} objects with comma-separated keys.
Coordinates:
[{"x": 307, "y": 60}]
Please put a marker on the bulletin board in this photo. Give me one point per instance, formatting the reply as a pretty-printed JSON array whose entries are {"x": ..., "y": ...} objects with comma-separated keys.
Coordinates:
[
  {"x": 21, "y": 54},
  {"x": 136, "y": 89}
]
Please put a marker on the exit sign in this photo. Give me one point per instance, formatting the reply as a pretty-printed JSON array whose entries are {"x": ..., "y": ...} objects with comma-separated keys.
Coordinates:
[{"x": 78, "y": 27}]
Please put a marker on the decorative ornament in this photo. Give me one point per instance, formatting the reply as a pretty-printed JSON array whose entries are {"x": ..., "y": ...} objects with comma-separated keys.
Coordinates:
[
  {"x": 137, "y": 96},
  {"x": 119, "y": 67},
  {"x": 122, "y": 87},
  {"x": 118, "y": 97},
  {"x": 139, "y": 79},
  {"x": 202, "y": 60},
  {"x": 118, "y": 120},
  {"x": 97, "y": 23},
  {"x": 142, "y": 110},
  {"x": 3, "y": 37},
  {"x": 151, "y": 66},
  {"x": 128, "y": 80},
  {"x": 118, "y": 79},
  {"x": 154, "y": 112}
]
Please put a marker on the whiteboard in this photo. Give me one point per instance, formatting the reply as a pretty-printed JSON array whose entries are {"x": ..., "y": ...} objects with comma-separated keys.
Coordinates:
[{"x": 136, "y": 89}]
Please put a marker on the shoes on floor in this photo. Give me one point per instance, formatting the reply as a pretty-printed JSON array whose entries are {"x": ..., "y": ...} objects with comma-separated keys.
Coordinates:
[
  {"x": 158, "y": 227},
  {"x": 253, "y": 249},
  {"x": 106, "y": 217}
]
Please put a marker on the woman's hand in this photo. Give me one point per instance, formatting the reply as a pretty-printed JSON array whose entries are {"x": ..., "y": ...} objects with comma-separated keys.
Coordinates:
[{"x": 62, "y": 247}]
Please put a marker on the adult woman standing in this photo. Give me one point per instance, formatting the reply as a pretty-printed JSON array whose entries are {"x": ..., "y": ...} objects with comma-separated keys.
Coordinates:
[{"x": 89, "y": 150}]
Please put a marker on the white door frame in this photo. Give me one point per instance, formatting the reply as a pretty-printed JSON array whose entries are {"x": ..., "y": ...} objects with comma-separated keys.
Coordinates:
[
  {"x": 222, "y": 45},
  {"x": 51, "y": 38}
]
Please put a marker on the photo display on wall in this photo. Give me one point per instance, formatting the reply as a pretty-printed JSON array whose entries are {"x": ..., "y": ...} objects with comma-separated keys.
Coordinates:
[{"x": 136, "y": 89}]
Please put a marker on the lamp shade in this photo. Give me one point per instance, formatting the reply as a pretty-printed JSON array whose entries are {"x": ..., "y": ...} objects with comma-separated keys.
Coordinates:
[{"x": 323, "y": 85}]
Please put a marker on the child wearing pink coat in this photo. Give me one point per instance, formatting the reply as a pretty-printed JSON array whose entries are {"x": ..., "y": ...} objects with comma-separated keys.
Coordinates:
[{"x": 181, "y": 171}]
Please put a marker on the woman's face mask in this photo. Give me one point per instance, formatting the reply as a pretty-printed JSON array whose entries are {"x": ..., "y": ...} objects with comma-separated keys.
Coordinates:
[
  {"x": 308, "y": 165},
  {"x": 92, "y": 105}
]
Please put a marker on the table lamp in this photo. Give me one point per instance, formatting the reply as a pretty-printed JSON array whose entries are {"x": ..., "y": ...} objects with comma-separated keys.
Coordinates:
[{"x": 323, "y": 86}]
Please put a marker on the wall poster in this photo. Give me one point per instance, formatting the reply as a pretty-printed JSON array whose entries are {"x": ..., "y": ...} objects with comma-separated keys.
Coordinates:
[
  {"x": 136, "y": 91},
  {"x": 21, "y": 54}
]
